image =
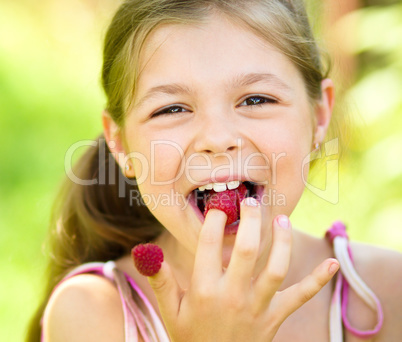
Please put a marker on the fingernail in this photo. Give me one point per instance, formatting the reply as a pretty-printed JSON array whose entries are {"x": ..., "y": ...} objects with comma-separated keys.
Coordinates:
[
  {"x": 251, "y": 202},
  {"x": 283, "y": 221},
  {"x": 333, "y": 268}
]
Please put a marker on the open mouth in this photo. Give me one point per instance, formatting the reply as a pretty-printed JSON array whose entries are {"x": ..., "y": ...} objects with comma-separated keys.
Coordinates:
[
  {"x": 202, "y": 196},
  {"x": 223, "y": 195}
]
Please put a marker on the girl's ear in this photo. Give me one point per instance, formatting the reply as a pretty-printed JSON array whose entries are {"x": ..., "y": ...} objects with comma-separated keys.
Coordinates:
[
  {"x": 115, "y": 142},
  {"x": 323, "y": 111}
]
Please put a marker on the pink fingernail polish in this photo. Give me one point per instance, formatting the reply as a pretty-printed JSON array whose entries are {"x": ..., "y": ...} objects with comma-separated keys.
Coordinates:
[
  {"x": 251, "y": 202},
  {"x": 283, "y": 221}
]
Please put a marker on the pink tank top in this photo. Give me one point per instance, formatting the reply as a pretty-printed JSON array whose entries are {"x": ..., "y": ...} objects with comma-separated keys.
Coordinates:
[
  {"x": 140, "y": 319},
  {"x": 348, "y": 277}
]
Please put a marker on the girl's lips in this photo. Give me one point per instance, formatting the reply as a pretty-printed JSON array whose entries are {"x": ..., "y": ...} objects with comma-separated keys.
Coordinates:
[
  {"x": 229, "y": 229},
  {"x": 193, "y": 203}
]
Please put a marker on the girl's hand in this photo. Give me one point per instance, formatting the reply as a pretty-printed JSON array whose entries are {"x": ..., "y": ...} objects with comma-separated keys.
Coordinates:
[{"x": 230, "y": 305}]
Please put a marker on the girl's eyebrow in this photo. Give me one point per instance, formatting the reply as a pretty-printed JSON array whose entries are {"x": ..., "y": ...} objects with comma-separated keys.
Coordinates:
[
  {"x": 238, "y": 81},
  {"x": 165, "y": 89},
  {"x": 251, "y": 78}
]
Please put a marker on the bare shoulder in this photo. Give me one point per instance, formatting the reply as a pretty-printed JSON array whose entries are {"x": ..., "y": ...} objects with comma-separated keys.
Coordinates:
[
  {"x": 84, "y": 308},
  {"x": 381, "y": 269},
  {"x": 383, "y": 266}
]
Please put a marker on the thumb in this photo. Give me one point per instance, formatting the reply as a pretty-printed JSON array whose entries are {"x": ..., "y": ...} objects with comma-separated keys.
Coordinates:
[
  {"x": 167, "y": 292},
  {"x": 148, "y": 260}
]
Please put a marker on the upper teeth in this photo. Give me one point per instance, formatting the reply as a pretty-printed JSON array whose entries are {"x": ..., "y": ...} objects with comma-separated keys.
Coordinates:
[{"x": 219, "y": 187}]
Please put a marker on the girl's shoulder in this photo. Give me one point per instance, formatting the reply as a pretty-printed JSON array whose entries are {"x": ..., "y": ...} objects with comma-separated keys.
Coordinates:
[
  {"x": 85, "y": 307},
  {"x": 380, "y": 266},
  {"x": 381, "y": 270},
  {"x": 372, "y": 254}
]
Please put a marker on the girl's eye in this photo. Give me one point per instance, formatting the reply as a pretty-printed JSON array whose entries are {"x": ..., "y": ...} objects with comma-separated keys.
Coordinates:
[
  {"x": 257, "y": 100},
  {"x": 169, "y": 110}
]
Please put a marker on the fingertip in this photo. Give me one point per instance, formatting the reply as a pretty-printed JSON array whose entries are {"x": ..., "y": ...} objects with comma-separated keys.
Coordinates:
[
  {"x": 216, "y": 214},
  {"x": 250, "y": 207},
  {"x": 333, "y": 266},
  {"x": 159, "y": 279},
  {"x": 282, "y": 221},
  {"x": 250, "y": 202}
]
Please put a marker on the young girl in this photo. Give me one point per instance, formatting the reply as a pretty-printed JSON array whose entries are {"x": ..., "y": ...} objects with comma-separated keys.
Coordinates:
[{"x": 210, "y": 97}]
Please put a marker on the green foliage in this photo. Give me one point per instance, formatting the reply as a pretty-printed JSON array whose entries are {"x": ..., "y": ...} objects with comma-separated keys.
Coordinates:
[
  {"x": 378, "y": 93},
  {"x": 370, "y": 179},
  {"x": 49, "y": 99}
]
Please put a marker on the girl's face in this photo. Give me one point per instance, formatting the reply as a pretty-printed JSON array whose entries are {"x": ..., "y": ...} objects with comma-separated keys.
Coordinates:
[{"x": 216, "y": 103}]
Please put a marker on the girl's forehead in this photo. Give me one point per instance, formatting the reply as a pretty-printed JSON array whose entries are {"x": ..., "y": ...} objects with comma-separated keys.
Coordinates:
[{"x": 217, "y": 46}]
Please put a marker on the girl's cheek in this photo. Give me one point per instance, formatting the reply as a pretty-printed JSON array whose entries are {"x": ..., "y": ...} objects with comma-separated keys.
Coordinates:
[
  {"x": 288, "y": 171},
  {"x": 166, "y": 162},
  {"x": 155, "y": 161}
]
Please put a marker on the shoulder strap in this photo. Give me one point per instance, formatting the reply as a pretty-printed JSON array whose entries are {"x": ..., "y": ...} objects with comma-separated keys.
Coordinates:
[
  {"x": 138, "y": 311},
  {"x": 135, "y": 319},
  {"x": 345, "y": 278}
]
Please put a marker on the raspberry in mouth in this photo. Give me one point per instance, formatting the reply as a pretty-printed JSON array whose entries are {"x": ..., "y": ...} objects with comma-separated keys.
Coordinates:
[{"x": 225, "y": 198}]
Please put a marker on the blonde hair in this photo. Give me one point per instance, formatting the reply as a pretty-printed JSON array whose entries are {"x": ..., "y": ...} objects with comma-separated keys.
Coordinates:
[{"x": 282, "y": 23}]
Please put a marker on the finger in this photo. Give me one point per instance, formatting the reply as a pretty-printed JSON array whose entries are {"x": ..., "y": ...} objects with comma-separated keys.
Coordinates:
[
  {"x": 277, "y": 266},
  {"x": 245, "y": 251},
  {"x": 167, "y": 292},
  {"x": 208, "y": 258},
  {"x": 295, "y": 296}
]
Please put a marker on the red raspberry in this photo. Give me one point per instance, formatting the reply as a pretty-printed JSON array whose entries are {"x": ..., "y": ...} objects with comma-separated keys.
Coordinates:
[
  {"x": 228, "y": 201},
  {"x": 147, "y": 258}
]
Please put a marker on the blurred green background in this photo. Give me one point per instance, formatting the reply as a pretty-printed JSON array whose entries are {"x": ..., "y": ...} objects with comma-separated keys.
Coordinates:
[{"x": 50, "y": 98}]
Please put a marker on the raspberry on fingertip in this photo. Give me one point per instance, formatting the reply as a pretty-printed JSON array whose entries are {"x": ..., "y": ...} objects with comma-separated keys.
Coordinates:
[{"x": 147, "y": 258}]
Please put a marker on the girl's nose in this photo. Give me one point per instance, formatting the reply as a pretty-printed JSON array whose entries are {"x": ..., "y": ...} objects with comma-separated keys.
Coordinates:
[{"x": 216, "y": 134}]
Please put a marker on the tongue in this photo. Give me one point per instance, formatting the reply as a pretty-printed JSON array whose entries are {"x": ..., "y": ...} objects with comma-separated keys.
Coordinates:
[{"x": 228, "y": 201}]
